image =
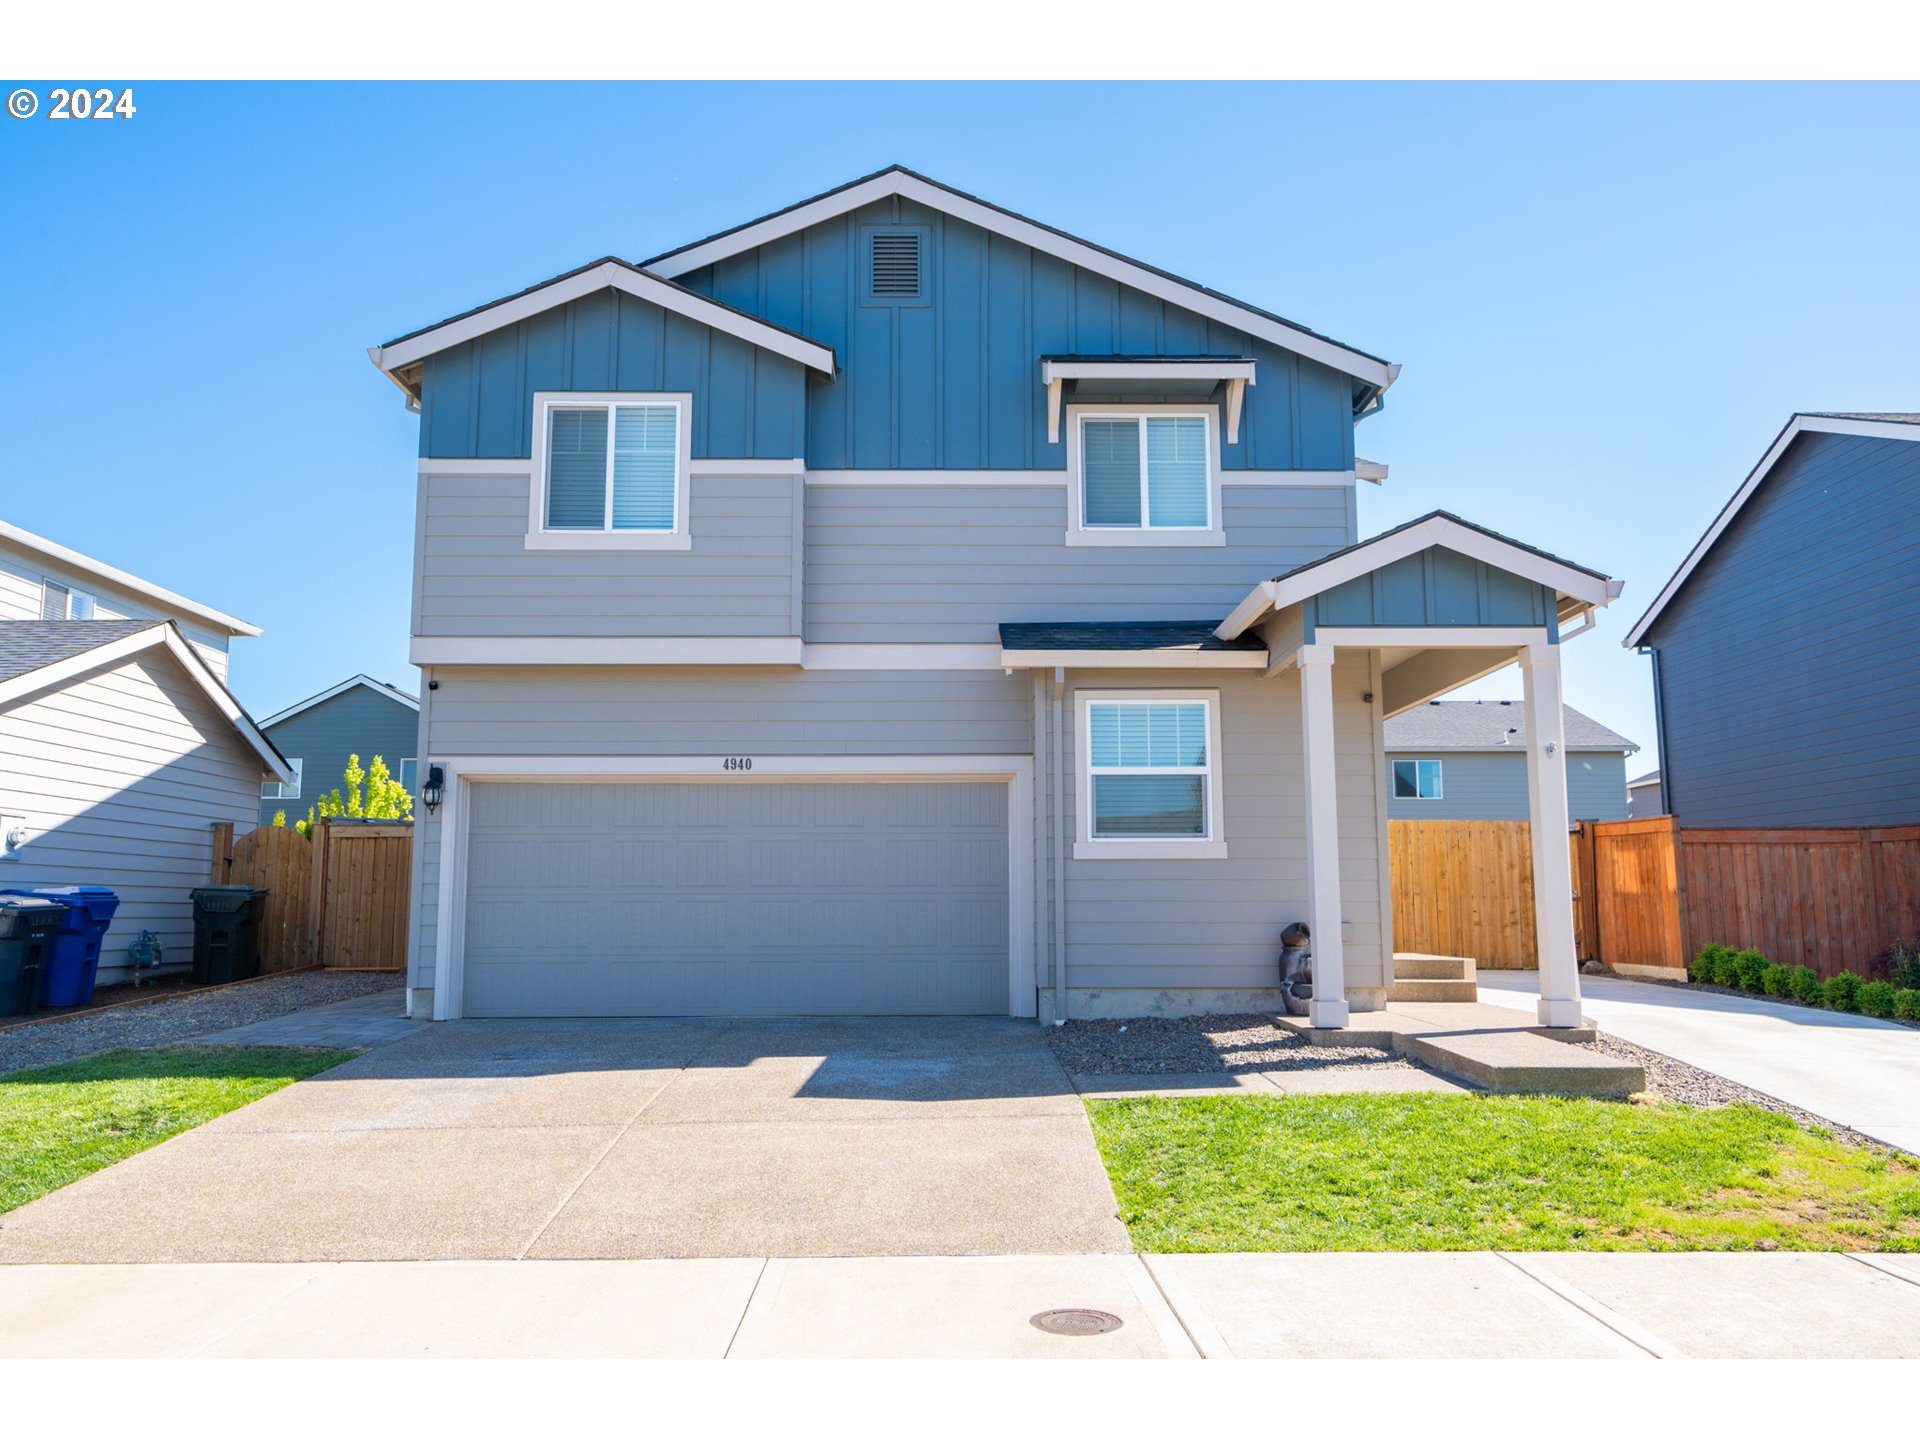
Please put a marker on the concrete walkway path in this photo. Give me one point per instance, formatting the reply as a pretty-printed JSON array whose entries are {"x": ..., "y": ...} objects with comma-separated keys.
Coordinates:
[
  {"x": 357, "y": 1024},
  {"x": 618, "y": 1139},
  {"x": 1405, "y": 1306},
  {"x": 1857, "y": 1072}
]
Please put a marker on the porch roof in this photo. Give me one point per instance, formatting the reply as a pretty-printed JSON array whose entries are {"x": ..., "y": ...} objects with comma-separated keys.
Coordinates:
[{"x": 1153, "y": 644}]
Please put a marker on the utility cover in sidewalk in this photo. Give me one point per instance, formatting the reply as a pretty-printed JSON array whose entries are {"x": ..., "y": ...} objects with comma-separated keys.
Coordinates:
[{"x": 1075, "y": 1322}]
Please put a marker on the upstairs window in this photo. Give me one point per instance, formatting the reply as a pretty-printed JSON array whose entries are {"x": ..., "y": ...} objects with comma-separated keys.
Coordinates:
[
  {"x": 1417, "y": 780},
  {"x": 283, "y": 790},
  {"x": 611, "y": 471},
  {"x": 1145, "y": 476},
  {"x": 63, "y": 602}
]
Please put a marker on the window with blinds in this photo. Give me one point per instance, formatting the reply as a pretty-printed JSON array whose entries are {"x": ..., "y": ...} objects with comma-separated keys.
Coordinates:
[
  {"x": 63, "y": 602},
  {"x": 614, "y": 467},
  {"x": 1149, "y": 766},
  {"x": 1145, "y": 471}
]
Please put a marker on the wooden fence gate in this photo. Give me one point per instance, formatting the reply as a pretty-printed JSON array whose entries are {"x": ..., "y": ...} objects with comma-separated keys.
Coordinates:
[{"x": 339, "y": 900}]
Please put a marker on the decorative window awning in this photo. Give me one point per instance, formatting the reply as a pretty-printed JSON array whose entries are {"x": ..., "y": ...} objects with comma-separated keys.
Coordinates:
[{"x": 1174, "y": 376}]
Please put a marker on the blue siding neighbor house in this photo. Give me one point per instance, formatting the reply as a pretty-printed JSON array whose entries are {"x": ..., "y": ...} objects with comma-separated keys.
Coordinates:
[
  {"x": 1467, "y": 760},
  {"x": 1812, "y": 718},
  {"x": 897, "y": 605},
  {"x": 360, "y": 717}
]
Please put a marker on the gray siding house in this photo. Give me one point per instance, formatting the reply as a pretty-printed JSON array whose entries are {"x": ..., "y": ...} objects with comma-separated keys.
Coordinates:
[
  {"x": 120, "y": 744},
  {"x": 1821, "y": 538},
  {"x": 360, "y": 716},
  {"x": 898, "y": 605},
  {"x": 1467, "y": 760},
  {"x": 1645, "y": 798}
]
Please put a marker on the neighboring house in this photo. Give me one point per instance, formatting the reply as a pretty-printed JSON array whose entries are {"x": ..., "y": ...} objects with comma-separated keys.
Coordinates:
[
  {"x": 897, "y": 605},
  {"x": 1821, "y": 539},
  {"x": 1467, "y": 760},
  {"x": 360, "y": 717},
  {"x": 120, "y": 745},
  {"x": 1644, "y": 797}
]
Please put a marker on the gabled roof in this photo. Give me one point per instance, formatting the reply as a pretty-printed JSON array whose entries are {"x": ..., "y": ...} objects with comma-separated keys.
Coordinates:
[
  {"x": 1436, "y": 527},
  {"x": 1490, "y": 725},
  {"x": 910, "y": 185},
  {"x": 406, "y": 351},
  {"x": 1882, "y": 425},
  {"x": 41, "y": 654},
  {"x": 378, "y": 687},
  {"x": 121, "y": 580}
]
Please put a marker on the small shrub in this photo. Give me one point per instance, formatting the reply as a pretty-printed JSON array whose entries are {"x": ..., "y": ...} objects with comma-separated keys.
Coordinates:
[
  {"x": 1750, "y": 970},
  {"x": 1876, "y": 999},
  {"x": 1726, "y": 969},
  {"x": 1906, "y": 1004},
  {"x": 1804, "y": 984},
  {"x": 1841, "y": 992},
  {"x": 1901, "y": 964},
  {"x": 1706, "y": 962},
  {"x": 1778, "y": 981}
]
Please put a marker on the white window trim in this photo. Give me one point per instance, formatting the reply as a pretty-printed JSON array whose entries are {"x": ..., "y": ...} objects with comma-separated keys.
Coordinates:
[
  {"x": 279, "y": 787},
  {"x": 1439, "y": 775},
  {"x": 1211, "y": 846},
  {"x": 539, "y": 537},
  {"x": 1080, "y": 533}
]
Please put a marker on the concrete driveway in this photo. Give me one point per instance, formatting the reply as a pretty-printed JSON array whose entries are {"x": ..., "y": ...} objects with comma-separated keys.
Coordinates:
[
  {"x": 1854, "y": 1071},
  {"x": 595, "y": 1139}
]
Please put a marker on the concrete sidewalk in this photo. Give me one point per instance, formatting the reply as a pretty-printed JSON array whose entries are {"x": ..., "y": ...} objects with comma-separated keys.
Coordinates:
[
  {"x": 1852, "y": 1070},
  {"x": 1309, "y": 1306}
]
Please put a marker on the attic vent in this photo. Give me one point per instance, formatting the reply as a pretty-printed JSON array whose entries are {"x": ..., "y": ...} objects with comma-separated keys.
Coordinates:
[{"x": 893, "y": 266}]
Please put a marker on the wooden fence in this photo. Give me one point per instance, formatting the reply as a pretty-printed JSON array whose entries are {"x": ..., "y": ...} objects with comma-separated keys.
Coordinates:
[
  {"x": 339, "y": 900},
  {"x": 1649, "y": 893}
]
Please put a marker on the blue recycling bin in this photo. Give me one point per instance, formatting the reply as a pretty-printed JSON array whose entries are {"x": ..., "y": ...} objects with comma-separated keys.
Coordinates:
[{"x": 73, "y": 960}]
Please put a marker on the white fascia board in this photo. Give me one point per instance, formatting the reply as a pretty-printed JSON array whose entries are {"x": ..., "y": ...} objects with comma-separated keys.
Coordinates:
[
  {"x": 1075, "y": 252},
  {"x": 605, "y": 650},
  {"x": 1134, "y": 659},
  {"x": 1796, "y": 427},
  {"x": 1370, "y": 470},
  {"x": 162, "y": 634},
  {"x": 120, "y": 579},
  {"x": 1051, "y": 370},
  {"x": 1437, "y": 530},
  {"x": 378, "y": 687},
  {"x": 634, "y": 282}
]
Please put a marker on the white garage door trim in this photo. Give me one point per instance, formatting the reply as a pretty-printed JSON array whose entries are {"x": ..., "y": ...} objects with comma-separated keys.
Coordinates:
[{"x": 449, "y": 997}]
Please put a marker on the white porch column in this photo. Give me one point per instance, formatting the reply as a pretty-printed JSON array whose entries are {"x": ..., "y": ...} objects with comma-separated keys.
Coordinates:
[
  {"x": 1547, "y": 809},
  {"x": 1328, "y": 1008}
]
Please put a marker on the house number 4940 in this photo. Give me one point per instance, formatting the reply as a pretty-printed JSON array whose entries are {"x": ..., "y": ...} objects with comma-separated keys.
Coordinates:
[{"x": 737, "y": 762}]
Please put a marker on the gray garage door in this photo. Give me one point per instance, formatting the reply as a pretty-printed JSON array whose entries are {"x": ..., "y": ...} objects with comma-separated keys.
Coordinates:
[{"x": 737, "y": 898}]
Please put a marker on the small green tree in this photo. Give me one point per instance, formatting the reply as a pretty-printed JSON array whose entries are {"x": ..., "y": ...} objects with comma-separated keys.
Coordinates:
[{"x": 371, "y": 794}]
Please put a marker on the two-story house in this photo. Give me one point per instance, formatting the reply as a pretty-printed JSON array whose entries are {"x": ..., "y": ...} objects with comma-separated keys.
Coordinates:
[
  {"x": 1818, "y": 722},
  {"x": 897, "y": 605},
  {"x": 120, "y": 744},
  {"x": 1467, "y": 760},
  {"x": 322, "y": 733}
]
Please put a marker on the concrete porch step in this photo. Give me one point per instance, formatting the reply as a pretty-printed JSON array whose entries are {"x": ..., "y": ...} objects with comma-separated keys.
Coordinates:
[
  {"x": 1464, "y": 992},
  {"x": 1411, "y": 965}
]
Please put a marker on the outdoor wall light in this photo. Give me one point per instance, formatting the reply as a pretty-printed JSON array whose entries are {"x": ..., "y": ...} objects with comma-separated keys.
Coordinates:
[{"x": 430, "y": 792}]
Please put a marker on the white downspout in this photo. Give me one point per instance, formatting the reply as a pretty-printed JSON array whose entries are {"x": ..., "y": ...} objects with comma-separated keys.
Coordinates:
[{"x": 1055, "y": 755}]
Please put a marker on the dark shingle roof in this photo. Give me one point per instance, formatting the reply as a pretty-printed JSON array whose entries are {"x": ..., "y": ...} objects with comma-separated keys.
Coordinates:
[
  {"x": 1124, "y": 635},
  {"x": 1478, "y": 724},
  {"x": 29, "y": 645},
  {"x": 1898, "y": 417},
  {"x": 1442, "y": 515}
]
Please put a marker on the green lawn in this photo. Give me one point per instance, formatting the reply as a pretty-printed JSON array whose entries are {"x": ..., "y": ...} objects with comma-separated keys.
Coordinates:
[
  {"x": 1449, "y": 1172},
  {"x": 65, "y": 1121}
]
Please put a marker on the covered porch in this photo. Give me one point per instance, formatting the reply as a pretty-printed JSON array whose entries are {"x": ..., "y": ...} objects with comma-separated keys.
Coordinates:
[{"x": 1418, "y": 611}]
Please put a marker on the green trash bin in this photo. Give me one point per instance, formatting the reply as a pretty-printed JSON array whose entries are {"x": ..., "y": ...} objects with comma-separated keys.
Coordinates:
[
  {"x": 226, "y": 933},
  {"x": 29, "y": 925}
]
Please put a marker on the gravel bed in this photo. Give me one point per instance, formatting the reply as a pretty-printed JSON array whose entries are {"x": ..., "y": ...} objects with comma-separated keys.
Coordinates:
[
  {"x": 1202, "y": 1045},
  {"x": 198, "y": 1013}
]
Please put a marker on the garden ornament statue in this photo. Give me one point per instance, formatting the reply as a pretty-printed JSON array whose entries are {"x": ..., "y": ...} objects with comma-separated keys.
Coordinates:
[{"x": 1296, "y": 968}]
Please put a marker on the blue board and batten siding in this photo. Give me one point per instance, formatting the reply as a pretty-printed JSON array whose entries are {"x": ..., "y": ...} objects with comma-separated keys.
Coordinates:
[
  {"x": 476, "y": 399},
  {"x": 955, "y": 384},
  {"x": 1435, "y": 587},
  {"x": 1788, "y": 680}
]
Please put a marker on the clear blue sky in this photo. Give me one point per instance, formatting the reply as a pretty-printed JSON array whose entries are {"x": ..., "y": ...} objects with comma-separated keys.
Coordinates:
[{"x": 1607, "y": 299}]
